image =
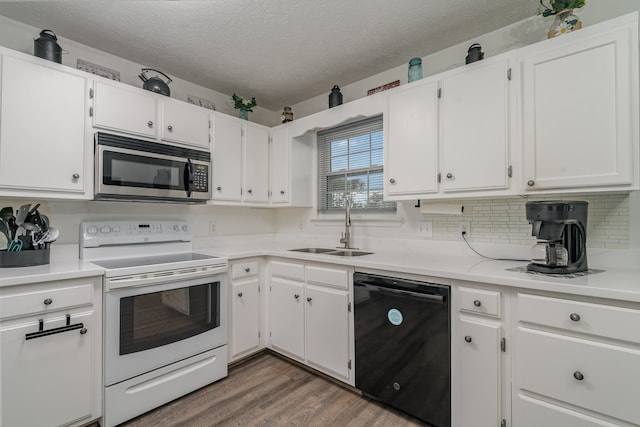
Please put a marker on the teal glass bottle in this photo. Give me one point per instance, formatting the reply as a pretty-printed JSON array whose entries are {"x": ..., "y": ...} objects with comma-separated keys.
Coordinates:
[{"x": 415, "y": 69}]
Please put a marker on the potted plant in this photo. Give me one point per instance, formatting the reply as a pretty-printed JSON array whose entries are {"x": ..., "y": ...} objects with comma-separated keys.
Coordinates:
[
  {"x": 565, "y": 20},
  {"x": 244, "y": 105}
]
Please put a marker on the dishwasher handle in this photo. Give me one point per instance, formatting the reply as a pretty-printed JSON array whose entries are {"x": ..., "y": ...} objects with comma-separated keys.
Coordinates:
[{"x": 421, "y": 295}]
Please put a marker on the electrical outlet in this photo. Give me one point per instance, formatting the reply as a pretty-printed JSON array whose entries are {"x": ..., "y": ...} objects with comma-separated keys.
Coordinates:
[
  {"x": 424, "y": 229},
  {"x": 464, "y": 227},
  {"x": 212, "y": 228}
]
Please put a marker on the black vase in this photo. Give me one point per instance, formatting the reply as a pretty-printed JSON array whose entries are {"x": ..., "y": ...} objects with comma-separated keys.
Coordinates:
[{"x": 335, "y": 97}]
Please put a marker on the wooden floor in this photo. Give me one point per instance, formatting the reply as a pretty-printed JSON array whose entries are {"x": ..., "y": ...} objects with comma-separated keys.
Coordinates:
[{"x": 270, "y": 391}]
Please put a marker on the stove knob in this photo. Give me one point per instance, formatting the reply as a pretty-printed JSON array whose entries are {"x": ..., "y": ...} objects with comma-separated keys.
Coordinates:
[
  {"x": 116, "y": 229},
  {"x": 176, "y": 227},
  {"x": 92, "y": 230},
  {"x": 105, "y": 229},
  {"x": 185, "y": 227}
]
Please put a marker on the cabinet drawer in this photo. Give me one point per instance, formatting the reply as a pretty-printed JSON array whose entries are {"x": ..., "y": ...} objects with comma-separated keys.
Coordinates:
[
  {"x": 548, "y": 364},
  {"x": 335, "y": 277},
  {"x": 244, "y": 269},
  {"x": 45, "y": 299},
  {"x": 529, "y": 412},
  {"x": 287, "y": 270},
  {"x": 479, "y": 301},
  {"x": 595, "y": 319}
]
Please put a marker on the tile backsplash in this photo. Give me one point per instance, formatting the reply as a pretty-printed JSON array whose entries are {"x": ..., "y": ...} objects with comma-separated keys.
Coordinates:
[{"x": 503, "y": 220}]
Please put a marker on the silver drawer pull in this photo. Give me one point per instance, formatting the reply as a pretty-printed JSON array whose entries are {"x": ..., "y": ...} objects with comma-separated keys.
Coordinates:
[
  {"x": 578, "y": 375},
  {"x": 240, "y": 294},
  {"x": 170, "y": 128},
  {"x": 477, "y": 303},
  {"x": 308, "y": 299},
  {"x": 575, "y": 317},
  {"x": 247, "y": 270},
  {"x": 467, "y": 339},
  {"x": 83, "y": 331},
  {"x": 296, "y": 296},
  {"x": 48, "y": 301},
  {"x": 150, "y": 123}
]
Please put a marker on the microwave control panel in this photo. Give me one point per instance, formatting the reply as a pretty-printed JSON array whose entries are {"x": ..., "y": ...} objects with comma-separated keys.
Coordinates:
[{"x": 201, "y": 178}]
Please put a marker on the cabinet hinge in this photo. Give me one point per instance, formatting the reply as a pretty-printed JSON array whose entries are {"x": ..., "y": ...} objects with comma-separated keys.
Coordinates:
[
  {"x": 510, "y": 171},
  {"x": 349, "y": 307},
  {"x": 209, "y": 138},
  {"x": 439, "y": 177},
  {"x": 258, "y": 334},
  {"x": 209, "y": 124},
  {"x": 503, "y": 423},
  {"x": 439, "y": 92},
  {"x": 349, "y": 364},
  {"x": 241, "y": 132},
  {"x": 503, "y": 345},
  {"x": 269, "y": 334},
  {"x": 90, "y": 111},
  {"x": 90, "y": 93},
  {"x": 509, "y": 74}
]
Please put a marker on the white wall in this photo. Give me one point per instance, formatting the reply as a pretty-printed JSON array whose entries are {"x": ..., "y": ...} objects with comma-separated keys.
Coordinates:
[{"x": 18, "y": 36}]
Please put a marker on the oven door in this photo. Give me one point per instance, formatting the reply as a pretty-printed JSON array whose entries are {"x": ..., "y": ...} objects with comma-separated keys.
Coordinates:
[
  {"x": 123, "y": 173},
  {"x": 154, "y": 325}
]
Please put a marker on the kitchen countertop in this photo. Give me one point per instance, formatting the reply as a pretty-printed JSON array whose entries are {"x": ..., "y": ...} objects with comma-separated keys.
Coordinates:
[{"x": 620, "y": 278}]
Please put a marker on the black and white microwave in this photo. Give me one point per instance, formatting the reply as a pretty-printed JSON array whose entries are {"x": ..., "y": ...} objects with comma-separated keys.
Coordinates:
[{"x": 137, "y": 170}]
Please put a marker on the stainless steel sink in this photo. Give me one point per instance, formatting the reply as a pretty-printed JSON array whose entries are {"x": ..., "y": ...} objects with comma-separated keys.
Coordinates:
[
  {"x": 313, "y": 250},
  {"x": 336, "y": 252},
  {"x": 349, "y": 253}
]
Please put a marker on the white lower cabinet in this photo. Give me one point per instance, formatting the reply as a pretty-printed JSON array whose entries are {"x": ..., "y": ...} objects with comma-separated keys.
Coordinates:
[
  {"x": 480, "y": 361},
  {"x": 575, "y": 362},
  {"x": 50, "y": 353},
  {"x": 245, "y": 308},
  {"x": 310, "y": 316}
]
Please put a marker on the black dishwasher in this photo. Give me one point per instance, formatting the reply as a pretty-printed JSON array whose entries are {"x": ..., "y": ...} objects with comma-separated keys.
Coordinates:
[{"x": 403, "y": 345}]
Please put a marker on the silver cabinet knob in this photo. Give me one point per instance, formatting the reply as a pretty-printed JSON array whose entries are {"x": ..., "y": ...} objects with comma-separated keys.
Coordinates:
[
  {"x": 247, "y": 270},
  {"x": 76, "y": 176},
  {"x": 477, "y": 303},
  {"x": 575, "y": 317},
  {"x": 531, "y": 183},
  {"x": 219, "y": 188},
  {"x": 48, "y": 301},
  {"x": 308, "y": 299},
  {"x": 296, "y": 296},
  {"x": 578, "y": 375},
  {"x": 83, "y": 331},
  {"x": 282, "y": 192},
  {"x": 240, "y": 294},
  {"x": 150, "y": 123},
  {"x": 449, "y": 175},
  {"x": 170, "y": 128},
  {"x": 468, "y": 338},
  {"x": 392, "y": 181},
  {"x": 250, "y": 191}
]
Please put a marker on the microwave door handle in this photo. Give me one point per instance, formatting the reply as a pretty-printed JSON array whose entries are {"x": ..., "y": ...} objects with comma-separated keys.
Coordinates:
[{"x": 188, "y": 177}]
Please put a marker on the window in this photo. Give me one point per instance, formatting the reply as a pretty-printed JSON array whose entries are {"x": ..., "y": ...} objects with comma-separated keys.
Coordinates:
[{"x": 350, "y": 166}]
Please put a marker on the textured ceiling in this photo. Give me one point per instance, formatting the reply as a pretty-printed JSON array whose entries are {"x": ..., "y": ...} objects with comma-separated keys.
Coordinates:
[{"x": 280, "y": 51}]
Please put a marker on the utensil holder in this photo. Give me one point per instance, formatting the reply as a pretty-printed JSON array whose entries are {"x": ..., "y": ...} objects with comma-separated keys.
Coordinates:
[{"x": 25, "y": 258}]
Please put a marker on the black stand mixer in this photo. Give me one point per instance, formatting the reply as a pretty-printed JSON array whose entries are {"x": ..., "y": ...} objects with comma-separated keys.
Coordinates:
[{"x": 560, "y": 228}]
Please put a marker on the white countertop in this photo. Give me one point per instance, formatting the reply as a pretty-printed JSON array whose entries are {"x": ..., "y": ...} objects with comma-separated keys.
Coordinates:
[{"x": 441, "y": 263}]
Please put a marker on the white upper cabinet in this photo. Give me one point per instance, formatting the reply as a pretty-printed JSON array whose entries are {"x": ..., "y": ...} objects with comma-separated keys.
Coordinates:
[
  {"x": 580, "y": 109},
  {"x": 411, "y": 141},
  {"x": 474, "y": 131},
  {"x": 280, "y": 170},
  {"x": 185, "y": 123},
  {"x": 135, "y": 111},
  {"x": 227, "y": 158},
  {"x": 256, "y": 163},
  {"x": 125, "y": 109},
  {"x": 43, "y": 116}
]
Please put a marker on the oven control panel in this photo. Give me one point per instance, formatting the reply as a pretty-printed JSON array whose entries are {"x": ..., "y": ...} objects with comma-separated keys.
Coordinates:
[{"x": 101, "y": 233}]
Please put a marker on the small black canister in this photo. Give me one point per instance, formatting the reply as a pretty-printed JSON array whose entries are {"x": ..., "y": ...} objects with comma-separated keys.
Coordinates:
[
  {"x": 335, "y": 97},
  {"x": 474, "y": 54},
  {"x": 46, "y": 46}
]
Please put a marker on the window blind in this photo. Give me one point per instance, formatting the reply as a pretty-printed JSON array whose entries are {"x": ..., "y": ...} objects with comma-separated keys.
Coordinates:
[{"x": 350, "y": 166}]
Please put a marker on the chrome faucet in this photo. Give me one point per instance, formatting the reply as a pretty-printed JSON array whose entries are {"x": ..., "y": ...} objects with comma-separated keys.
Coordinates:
[{"x": 346, "y": 236}]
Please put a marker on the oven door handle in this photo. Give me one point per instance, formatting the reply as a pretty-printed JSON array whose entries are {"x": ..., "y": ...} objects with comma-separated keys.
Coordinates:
[{"x": 162, "y": 277}]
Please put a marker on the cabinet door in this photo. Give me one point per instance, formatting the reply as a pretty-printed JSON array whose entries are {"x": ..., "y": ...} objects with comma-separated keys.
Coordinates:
[
  {"x": 579, "y": 100},
  {"x": 411, "y": 154},
  {"x": 185, "y": 123},
  {"x": 474, "y": 131},
  {"x": 286, "y": 316},
  {"x": 480, "y": 373},
  {"x": 42, "y": 128},
  {"x": 227, "y": 158},
  {"x": 125, "y": 109},
  {"x": 256, "y": 163},
  {"x": 47, "y": 381},
  {"x": 327, "y": 329},
  {"x": 280, "y": 165},
  {"x": 245, "y": 309}
]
